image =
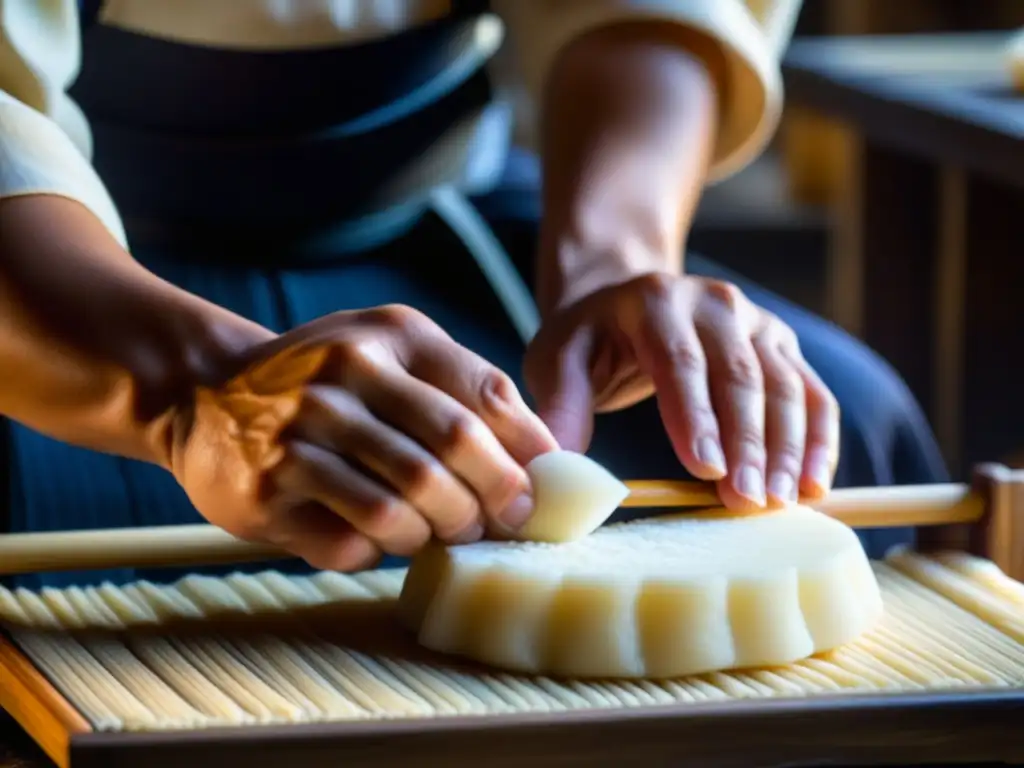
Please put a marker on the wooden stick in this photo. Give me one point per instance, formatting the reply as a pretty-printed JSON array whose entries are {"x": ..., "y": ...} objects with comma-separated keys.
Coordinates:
[
  {"x": 185, "y": 545},
  {"x": 889, "y": 507}
]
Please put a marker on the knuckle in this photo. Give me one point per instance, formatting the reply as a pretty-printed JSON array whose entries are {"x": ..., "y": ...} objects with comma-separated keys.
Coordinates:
[
  {"x": 422, "y": 479},
  {"x": 785, "y": 335},
  {"x": 288, "y": 469},
  {"x": 789, "y": 456},
  {"x": 655, "y": 286},
  {"x": 743, "y": 372},
  {"x": 498, "y": 384},
  {"x": 316, "y": 405},
  {"x": 687, "y": 358},
  {"x": 383, "y": 516},
  {"x": 396, "y": 317},
  {"x": 354, "y": 357},
  {"x": 785, "y": 385},
  {"x": 824, "y": 401},
  {"x": 750, "y": 437},
  {"x": 463, "y": 434},
  {"x": 728, "y": 294}
]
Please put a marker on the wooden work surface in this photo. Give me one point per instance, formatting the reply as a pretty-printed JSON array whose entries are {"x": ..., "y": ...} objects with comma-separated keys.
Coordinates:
[
  {"x": 17, "y": 751},
  {"x": 925, "y": 261},
  {"x": 970, "y": 711}
]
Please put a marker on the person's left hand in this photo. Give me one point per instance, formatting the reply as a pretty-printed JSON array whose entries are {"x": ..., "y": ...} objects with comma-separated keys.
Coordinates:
[{"x": 739, "y": 402}]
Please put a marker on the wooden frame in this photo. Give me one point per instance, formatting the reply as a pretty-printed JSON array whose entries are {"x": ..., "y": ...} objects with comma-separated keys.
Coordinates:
[
  {"x": 855, "y": 729},
  {"x": 947, "y": 727}
]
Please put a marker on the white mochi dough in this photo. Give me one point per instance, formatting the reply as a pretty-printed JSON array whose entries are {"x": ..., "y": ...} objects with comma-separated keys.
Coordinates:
[
  {"x": 658, "y": 598},
  {"x": 573, "y": 496}
]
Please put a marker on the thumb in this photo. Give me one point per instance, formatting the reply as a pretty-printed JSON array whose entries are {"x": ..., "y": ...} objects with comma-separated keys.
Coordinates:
[{"x": 561, "y": 388}]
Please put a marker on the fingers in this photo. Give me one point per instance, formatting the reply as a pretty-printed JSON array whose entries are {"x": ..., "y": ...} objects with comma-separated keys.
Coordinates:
[
  {"x": 564, "y": 394},
  {"x": 779, "y": 421},
  {"x": 458, "y": 438},
  {"x": 322, "y": 539},
  {"x": 821, "y": 455},
  {"x": 487, "y": 392},
  {"x": 785, "y": 420},
  {"x": 334, "y": 420},
  {"x": 310, "y": 473},
  {"x": 737, "y": 391},
  {"x": 672, "y": 354}
]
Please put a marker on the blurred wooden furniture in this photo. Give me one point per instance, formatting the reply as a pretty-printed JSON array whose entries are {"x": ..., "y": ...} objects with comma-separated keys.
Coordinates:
[
  {"x": 813, "y": 146},
  {"x": 926, "y": 263}
]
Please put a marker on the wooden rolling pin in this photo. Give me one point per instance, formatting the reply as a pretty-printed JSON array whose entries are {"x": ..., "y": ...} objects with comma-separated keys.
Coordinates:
[{"x": 188, "y": 545}]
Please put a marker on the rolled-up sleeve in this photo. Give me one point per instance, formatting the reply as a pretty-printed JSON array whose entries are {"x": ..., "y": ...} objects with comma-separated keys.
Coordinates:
[
  {"x": 45, "y": 143},
  {"x": 752, "y": 36}
]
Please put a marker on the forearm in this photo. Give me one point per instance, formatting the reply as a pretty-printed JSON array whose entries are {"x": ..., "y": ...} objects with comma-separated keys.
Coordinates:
[
  {"x": 628, "y": 124},
  {"x": 96, "y": 350}
]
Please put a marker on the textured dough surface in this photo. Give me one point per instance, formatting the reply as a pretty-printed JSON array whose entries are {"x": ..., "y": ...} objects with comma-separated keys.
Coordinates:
[
  {"x": 573, "y": 497},
  {"x": 659, "y": 598}
]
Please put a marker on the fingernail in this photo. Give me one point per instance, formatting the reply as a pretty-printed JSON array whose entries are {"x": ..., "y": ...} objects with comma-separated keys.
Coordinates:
[
  {"x": 472, "y": 534},
  {"x": 782, "y": 487},
  {"x": 517, "y": 513},
  {"x": 709, "y": 453},
  {"x": 819, "y": 468},
  {"x": 750, "y": 483}
]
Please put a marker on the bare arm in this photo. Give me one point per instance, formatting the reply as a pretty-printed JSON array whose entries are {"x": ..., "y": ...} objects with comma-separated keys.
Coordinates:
[
  {"x": 628, "y": 129},
  {"x": 96, "y": 350},
  {"x": 642, "y": 104}
]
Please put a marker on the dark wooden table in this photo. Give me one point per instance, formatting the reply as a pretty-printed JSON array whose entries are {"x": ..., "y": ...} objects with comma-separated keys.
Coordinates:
[{"x": 927, "y": 264}]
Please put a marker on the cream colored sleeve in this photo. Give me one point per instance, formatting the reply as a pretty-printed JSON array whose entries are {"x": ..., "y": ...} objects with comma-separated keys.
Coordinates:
[
  {"x": 753, "y": 34},
  {"x": 45, "y": 143}
]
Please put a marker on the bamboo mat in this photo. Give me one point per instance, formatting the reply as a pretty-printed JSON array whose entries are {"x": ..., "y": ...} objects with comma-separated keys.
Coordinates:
[{"x": 268, "y": 648}]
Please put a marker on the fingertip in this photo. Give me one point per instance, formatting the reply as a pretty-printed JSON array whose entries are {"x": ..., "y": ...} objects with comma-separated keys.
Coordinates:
[
  {"x": 345, "y": 553},
  {"x": 570, "y": 429},
  {"x": 523, "y": 432},
  {"x": 735, "y": 501},
  {"x": 468, "y": 535},
  {"x": 810, "y": 491},
  {"x": 708, "y": 459},
  {"x": 324, "y": 540},
  {"x": 816, "y": 481},
  {"x": 783, "y": 490}
]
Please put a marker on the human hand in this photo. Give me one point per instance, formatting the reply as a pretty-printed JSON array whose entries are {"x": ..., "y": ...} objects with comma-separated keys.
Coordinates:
[
  {"x": 738, "y": 400},
  {"x": 361, "y": 433}
]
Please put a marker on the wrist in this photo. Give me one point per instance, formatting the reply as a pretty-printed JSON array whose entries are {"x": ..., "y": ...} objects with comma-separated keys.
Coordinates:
[
  {"x": 102, "y": 353},
  {"x": 197, "y": 346},
  {"x": 575, "y": 267},
  {"x": 629, "y": 122}
]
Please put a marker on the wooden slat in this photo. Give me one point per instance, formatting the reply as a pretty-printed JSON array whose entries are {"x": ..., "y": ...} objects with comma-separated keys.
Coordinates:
[{"x": 37, "y": 706}]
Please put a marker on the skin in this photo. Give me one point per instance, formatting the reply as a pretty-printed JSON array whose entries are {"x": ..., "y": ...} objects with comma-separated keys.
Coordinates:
[
  {"x": 371, "y": 431},
  {"x": 626, "y": 159}
]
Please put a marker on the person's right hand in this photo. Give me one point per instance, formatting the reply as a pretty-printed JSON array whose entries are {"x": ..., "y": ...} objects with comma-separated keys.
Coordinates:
[{"x": 361, "y": 433}]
